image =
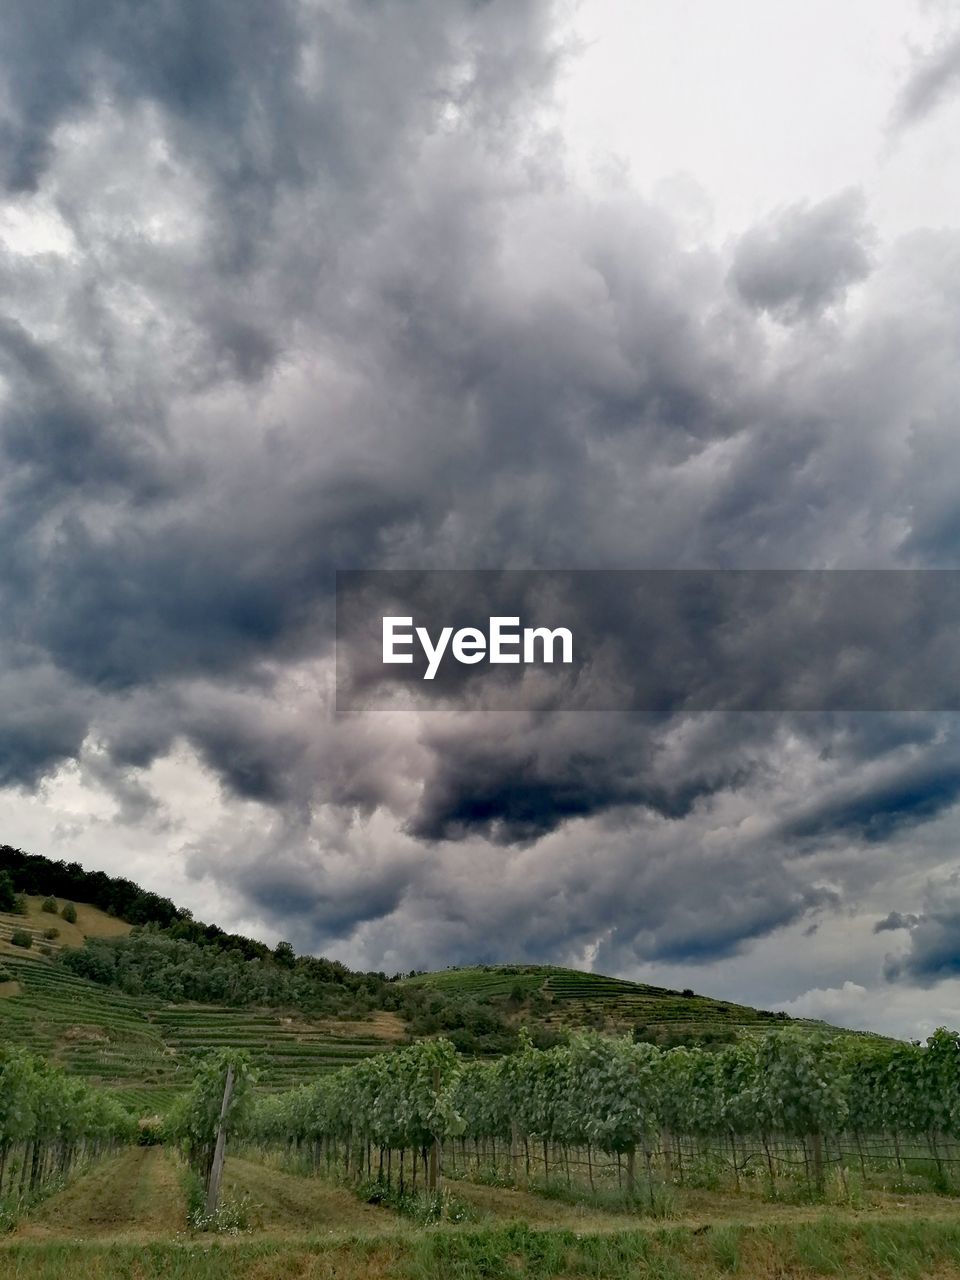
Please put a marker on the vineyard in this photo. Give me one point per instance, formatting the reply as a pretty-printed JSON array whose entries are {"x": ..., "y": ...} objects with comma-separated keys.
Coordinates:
[
  {"x": 600, "y": 1143},
  {"x": 569, "y": 998},
  {"x": 786, "y": 1107},
  {"x": 50, "y": 1124},
  {"x": 149, "y": 1049},
  {"x": 136, "y": 1104}
]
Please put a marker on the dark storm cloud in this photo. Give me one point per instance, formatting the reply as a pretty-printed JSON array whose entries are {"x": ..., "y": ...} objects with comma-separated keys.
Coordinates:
[
  {"x": 527, "y": 777},
  {"x": 873, "y": 810},
  {"x": 321, "y": 295},
  {"x": 933, "y": 951},
  {"x": 894, "y": 921},
  {"x": 805, "y": 258},
  {"x": 226, "y": 70}
]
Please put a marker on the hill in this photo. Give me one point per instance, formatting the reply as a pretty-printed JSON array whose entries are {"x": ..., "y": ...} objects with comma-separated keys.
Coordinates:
[
  {"x": 563, "y": 999},
  {"x": 146, "y": 1048},
  {"x": 130, "y": 1003},
  {"x": 90, "y": 922}
]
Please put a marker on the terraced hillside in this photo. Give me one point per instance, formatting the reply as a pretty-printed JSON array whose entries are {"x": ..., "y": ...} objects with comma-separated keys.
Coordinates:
[
  {"x": 147, "y": 1048},
  {"x": 568, "y": 997},
  {"x": 286, "y": 1050},
  {"x": 91, "y": 1031}
]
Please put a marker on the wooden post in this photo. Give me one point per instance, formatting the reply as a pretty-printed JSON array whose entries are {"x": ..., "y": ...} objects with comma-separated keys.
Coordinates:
[
  {"x": 817, "y": 1145},
  {"x": 434, "y": 1169},
  {"x": 666, "y": 1154},
  {"x": 216, "y": 1169},
  {"x": 736, "y": 1163}
]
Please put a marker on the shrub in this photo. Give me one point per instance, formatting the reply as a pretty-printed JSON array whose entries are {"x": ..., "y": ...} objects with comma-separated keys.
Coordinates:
[
  {"x": 69, "y": 913},
  {"x": 5, "y": 974},
  {"x": 150, "y": 1131},
  {"x": 50, "y": 934},
  {"x": 20, "y": 938},
  {"x": 49, "y": 905}
]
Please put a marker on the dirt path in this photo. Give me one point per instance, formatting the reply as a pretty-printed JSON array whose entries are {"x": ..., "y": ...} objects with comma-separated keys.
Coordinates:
[{"x": 134, "y": 1194}]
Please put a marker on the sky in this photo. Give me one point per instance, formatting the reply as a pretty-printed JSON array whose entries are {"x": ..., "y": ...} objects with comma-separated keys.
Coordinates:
[{"x": 292, "y": 286}]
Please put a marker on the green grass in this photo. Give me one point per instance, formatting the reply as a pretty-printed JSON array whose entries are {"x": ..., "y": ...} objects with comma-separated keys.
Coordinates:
[{"x": 900, "y": 1250}]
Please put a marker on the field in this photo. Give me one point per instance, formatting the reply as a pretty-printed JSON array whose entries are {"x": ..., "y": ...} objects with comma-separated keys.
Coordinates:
[
  {"x": 127, "y": 1217},
  {"x": 706, "y": 1206},
  {"x": 147, "y": 1050},
  {"x": 570, "y": 998}
]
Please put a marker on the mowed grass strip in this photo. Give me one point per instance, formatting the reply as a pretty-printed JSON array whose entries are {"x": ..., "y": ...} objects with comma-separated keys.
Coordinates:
[
  {"x": 135, "y": 1193},
  {"x": 906, "y": 1250}
]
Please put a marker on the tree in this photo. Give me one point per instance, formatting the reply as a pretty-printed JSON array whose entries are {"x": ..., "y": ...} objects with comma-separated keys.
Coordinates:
[
  {"x": 69, "y": 913},
  {"x": 20, "y": 938},
  {"x": 8, "y": 895},
  {"x": 10, "y": 900},
  {"x": 49, "y": 905}
]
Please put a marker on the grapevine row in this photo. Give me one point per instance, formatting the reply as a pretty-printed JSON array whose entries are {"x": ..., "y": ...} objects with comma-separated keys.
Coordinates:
[
  {"x": 627, "y": 1100},
  {"x": 49, "y": 1124}
]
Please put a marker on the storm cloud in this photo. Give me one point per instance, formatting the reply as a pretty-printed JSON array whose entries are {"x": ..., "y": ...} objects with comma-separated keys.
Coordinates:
[
  {"x": 805, "y": 258},
  {"x": 293, "y": 287}
]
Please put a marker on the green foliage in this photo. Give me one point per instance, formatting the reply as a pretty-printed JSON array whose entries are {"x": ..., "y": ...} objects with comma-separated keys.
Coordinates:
[
  {"x": 69, "y": 913},
  {"x": 51, "y": 1120},
  {"x": 421, "y": 1207},
  {"x": 21, "y": 938},
  {"x": 8, "y": 894},
  {"x": 49, "y": 905},
  {"x": 153, "y": 963},
  {"x": 618, "y": 1097},
  {"x": 174, "y": 970},
  {"x": 194, "y": 1119},
  {"x": 31, "y": 873},
  {"x": 50, "y": 934}
]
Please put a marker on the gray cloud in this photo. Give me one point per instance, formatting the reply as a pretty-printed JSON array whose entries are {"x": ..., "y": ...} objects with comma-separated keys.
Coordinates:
[
  {"x": 933, "y": 951},
  {"x": 933, "y": 78},
  {"x": 896, "y": 920},
  {"x": 805, "y": 258}
]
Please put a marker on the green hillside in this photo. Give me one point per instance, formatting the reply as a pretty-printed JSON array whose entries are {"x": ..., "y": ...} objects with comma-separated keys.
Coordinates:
[
  {"x": 147, "y": 1048},
  {"x": 129, "y": 992},
  {"x": 567, "y": 998}
]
